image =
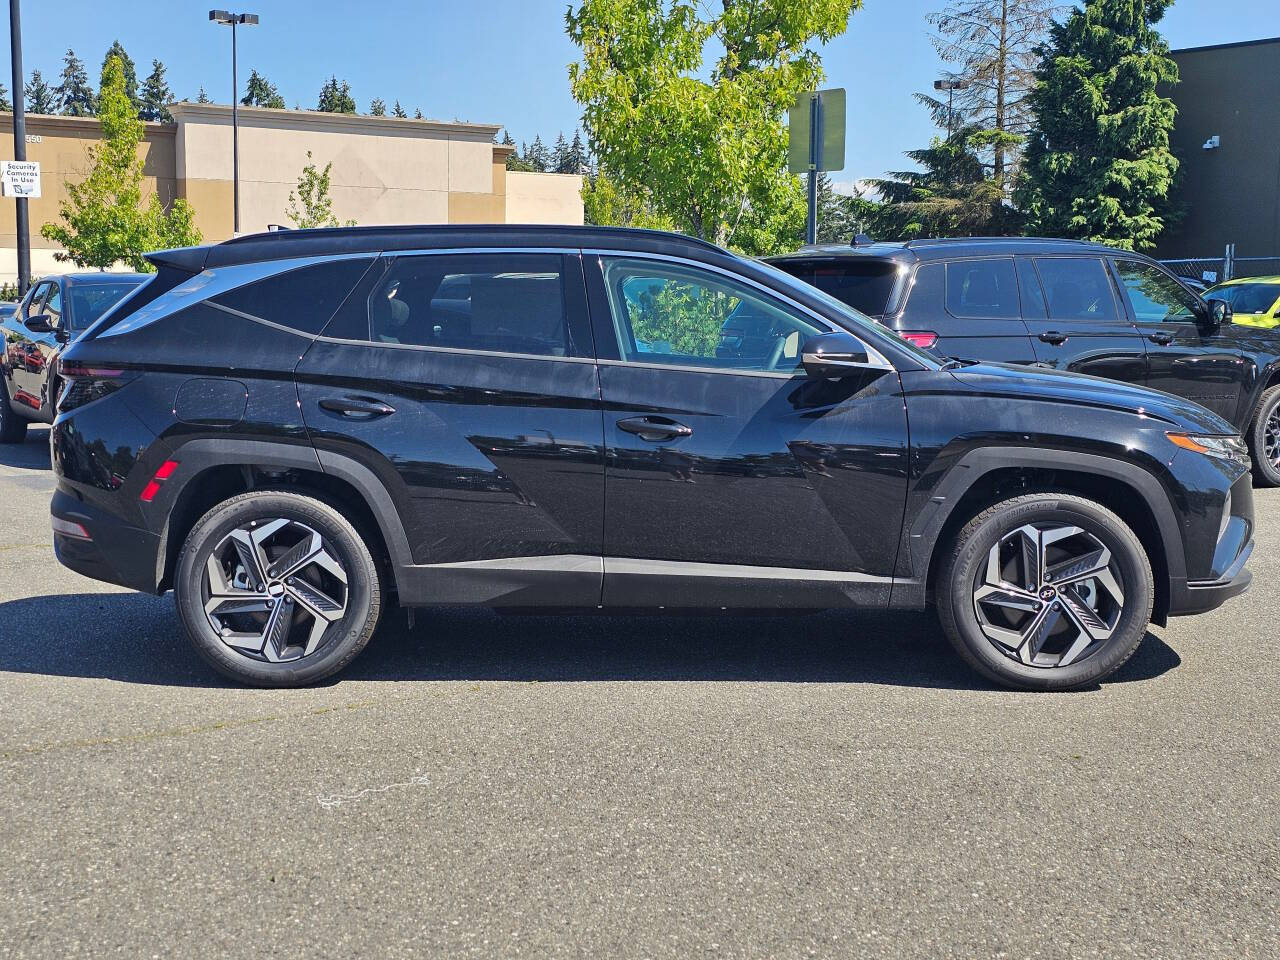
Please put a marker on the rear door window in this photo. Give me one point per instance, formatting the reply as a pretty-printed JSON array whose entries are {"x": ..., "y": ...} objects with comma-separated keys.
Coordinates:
[
  {"x": 303, "y": 299},
  {"x": 864, "y": 284},
  {"x": 983, "y": 289},
  {"x": 1077, "y": 288}
]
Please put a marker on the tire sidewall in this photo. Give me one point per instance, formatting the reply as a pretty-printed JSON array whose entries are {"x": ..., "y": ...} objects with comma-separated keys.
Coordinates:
[
  {"x": 1130, "y": 558},
  {"x": 1265, "y": 471},
  {"x": 363, "y": 588}
]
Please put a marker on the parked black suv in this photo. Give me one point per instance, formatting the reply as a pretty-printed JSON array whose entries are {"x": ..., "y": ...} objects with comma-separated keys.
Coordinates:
[
  {"x": 1069, "y": 306},
  {"x": 289, "y": 428}
]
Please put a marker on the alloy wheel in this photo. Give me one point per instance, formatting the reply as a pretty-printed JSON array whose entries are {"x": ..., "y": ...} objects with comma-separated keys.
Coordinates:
[
  {"x": 272, "y": 590},
  {"x": 1271, "y": 436},
  {"x": 1049, "y": 595}
]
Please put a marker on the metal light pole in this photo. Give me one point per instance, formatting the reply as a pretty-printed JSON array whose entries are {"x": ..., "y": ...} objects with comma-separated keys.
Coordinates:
[
  {"x": 233, "y": 19},
  {"x": 951, "y": 86},
  {"x": 20, "y": 148}
]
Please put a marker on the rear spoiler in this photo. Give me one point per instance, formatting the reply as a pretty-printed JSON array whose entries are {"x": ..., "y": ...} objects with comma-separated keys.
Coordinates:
[{"x": 188, "y": 259}]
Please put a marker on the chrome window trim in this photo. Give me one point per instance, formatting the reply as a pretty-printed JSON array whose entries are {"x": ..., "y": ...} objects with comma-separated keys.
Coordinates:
[{"x": 466, "y": 351}]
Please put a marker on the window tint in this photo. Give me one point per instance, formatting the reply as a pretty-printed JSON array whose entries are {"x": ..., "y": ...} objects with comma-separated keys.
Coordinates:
[
  {"x": 1033, "y": 306},
  {"x": 924, "y": 299},
  {"x": 865, "y": 285},
  {"x": 1248, "y": 297},
  {"x": 53, "y": 305},
  {"x": 1155, "y": 296},
  {"x": 982, "y": 289},
  {"x": 506, "y": 303},
  {"x": 1077, "y": 288},
  {"x": 38, "y": 293},
  {"x": 89, "y": 301},
  {"x": 669, "y": 313},
  {"x": 303, "y": 299}
]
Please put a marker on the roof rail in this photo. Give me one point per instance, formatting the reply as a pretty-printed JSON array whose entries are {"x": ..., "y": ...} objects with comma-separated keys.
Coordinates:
[{"x": 929, "y": 241}]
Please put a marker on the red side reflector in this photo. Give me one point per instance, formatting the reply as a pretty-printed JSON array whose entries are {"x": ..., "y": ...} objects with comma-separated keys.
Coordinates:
[
  {"x": 69, "y": 528},
  {"x": 153, "y": 486},
  {"x": 924, "y": 339}
]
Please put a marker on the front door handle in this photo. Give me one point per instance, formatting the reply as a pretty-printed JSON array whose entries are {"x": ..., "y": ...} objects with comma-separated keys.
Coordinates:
[
  {"x": 357, "y": 408},
  {"x": 1163, "y": 339},
  {"x": 654, "y": 429},
  {"x": 1054, "y": 337}
]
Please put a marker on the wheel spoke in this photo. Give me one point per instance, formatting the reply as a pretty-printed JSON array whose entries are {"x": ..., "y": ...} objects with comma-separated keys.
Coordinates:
[
  {"x": 1078, "y": 568},
  {"x": 1007, "y": 595},
  {"x": 301, "y": 554},
  {"x": 276, "y": 632},
  {"x": 1037, "y": 632},
  {"x": 250, "y": 558}
]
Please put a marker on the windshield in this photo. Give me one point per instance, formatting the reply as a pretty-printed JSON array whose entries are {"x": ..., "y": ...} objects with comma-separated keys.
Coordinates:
[
  {"x": 89, "y": 301},
  {"x": 865, "y": 285},
  {"x": 1248, "y": 297},
  {"x": 846, "y": 315}
]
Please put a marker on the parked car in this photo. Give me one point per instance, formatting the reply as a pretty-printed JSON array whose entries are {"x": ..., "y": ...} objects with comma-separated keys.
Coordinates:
[
  {"x": 54, "y": 312},
  {"x": 1068, "y": 306},
  {"x": 290, "y": 429},
  {"x": 1255, "y": 301}
]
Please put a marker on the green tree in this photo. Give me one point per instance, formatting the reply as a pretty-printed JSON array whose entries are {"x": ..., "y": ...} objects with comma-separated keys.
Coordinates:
[
  {"x": 559, "y": 159},
  {"x": 103, "y": 220},
  {"x": 536, "y": 156},
  {"x": 5, "y": 105},
  {"x": 992, "y": 46},
  {"x": 336, "y": 97},
  {"x": 398, "y": 111},
  {"x": 202, "y": 97},
  {"x": 75, "y": 95},
  {"x": 156, "y": 95},
  {"x": 708, "y": 144},
  {"x": 1098, "y": 164},
  {"x": 310, "y": 204},
  {"x": 378, "y": 107},
  {"x": 130, "y": 72},
  {"x": 606, "y": 203},
  {"x": 41, "y": 98},
  {"x": 260, "y": 92},
  {"x": 417, "y": 113},
  {"x": 577, "y": 159}
]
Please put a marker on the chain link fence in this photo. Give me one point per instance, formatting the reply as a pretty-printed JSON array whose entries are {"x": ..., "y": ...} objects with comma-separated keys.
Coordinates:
[{"x": 1211, "y": 270}]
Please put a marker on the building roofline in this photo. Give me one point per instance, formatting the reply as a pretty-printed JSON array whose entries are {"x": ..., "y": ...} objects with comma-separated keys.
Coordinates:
[
  {"x": 186, "y": 111},
  {"x": 1227, "y": 46},
  {"x": 58, "y": 121}
]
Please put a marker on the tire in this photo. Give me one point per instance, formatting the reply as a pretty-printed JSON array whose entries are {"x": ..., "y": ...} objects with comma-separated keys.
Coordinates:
[
  {"x": 13, "y": 426},
  {"x": 287, "y": 596},
  {"x": 993, "y": 628},
  {"x": 1266, "y": 469}
]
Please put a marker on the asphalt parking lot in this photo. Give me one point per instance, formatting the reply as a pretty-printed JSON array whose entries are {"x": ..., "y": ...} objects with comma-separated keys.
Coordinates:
[{"x": 669, "y": 787}]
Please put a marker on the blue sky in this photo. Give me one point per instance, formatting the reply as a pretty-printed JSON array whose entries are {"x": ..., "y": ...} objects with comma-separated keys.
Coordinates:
[{"x": 504, "y": 61}]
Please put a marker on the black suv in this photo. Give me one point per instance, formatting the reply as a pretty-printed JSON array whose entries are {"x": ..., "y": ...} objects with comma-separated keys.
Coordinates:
[
  {"x": 289, "y": 429},
  {"x": 1069, "y": 306}
]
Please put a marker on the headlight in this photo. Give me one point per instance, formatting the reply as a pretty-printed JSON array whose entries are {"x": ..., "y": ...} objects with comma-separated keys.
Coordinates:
[{"x": 1224, "y": 448}]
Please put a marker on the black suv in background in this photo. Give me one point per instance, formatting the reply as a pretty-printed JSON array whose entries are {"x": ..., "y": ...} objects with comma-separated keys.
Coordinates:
[
  {"x": 54, "y": 311},
  {"x": 288, "y": 429},
  {"x": 1066, "y": 305}
]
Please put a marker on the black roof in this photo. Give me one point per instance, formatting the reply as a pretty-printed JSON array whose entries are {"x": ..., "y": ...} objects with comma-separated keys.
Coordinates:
[
  {"x": 326, "y": 241},
  {"x": 937, "y": 248}
]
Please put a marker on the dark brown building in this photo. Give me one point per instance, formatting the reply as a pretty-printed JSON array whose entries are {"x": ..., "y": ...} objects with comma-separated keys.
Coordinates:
[{"x": 1227, "y": 137}]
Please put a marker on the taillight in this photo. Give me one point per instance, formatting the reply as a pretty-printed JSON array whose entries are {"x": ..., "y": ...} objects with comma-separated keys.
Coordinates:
[
  {"x": 83, "y": 383},
  {"x": 924, "y": 339},
  {"x": 153, "y": 485}
]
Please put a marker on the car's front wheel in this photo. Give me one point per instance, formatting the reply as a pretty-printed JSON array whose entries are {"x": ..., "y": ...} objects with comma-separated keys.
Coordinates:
[
  {"x": 277, "y": 589},
  {"x": 1264, "y": 439},
  {"x": 1045, "y": 591}
]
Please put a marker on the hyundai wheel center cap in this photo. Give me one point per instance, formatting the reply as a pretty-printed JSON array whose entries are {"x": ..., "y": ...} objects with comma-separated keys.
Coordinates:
[
  {"x": 275, "y": 588},
  {"x": 1047, "y": 593}
]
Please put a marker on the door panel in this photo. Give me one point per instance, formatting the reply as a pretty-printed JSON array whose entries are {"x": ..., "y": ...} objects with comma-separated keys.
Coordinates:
[
  {"x": 778, "y": 490},
  {"x": 491, "y": 457},
  {"x": 30, "y": 354},
  {"x": 1184, "y": 356},
  {"x": 1084, "y": 330}
]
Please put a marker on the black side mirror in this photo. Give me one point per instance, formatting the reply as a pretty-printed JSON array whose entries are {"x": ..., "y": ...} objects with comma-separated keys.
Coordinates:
[
  {"x": 61, "y": 334},
  {"x": 40, "y": 323},
  {"x": 838, "y": 354},
  {"x": 1220, "y": 312}
]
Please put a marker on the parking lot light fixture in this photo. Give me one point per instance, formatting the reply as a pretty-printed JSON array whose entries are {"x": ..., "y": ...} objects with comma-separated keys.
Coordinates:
[
  {"x": 951, "y": 85},
  {"x": 227, "y": 18}
]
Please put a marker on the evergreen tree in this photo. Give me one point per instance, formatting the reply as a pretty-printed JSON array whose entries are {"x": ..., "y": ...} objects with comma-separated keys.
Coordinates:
[
  {"x": 378, "y": 108},
  {"x": 41, "y": 97},
  {"x": 536, "y": 156},
  {"x": 75, "y": 95},
  {"x": 577, "y": 155},
  {"x": 1098, "y": 164},
  {"x": 559, "y": 161},
  {"x": 5, "y": 105},
  {"x": 260, "y": 92},
  {"x": 398, "y": 111},
  {"x": 156, "y": 95},
  {"x": 417, "y": 114},
  {"x": 336, "y": 97},
  {"x": 202, "y": 97},
  {"x": 130, "y": 72}
]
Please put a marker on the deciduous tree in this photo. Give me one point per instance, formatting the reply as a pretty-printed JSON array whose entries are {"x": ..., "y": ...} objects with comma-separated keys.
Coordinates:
[
  {"x": 130, "y": 71},
  {"x": 707, "y": 141},
  {"x": 1098, "y": 164},
  {"x": 310, "y": 204}
]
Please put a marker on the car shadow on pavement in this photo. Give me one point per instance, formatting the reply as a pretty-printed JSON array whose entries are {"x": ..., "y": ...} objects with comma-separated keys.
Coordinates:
[
  {"x": 32, "y": 454},
  {"x": 135, "y": 638}
]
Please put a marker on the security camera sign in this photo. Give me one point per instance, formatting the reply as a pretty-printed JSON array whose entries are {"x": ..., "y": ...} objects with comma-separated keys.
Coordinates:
[{"x": 20, "y": 178}]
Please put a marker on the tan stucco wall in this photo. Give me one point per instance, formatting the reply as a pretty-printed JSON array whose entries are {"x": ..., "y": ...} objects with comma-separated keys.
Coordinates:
[{"x": 544, "y": 197}]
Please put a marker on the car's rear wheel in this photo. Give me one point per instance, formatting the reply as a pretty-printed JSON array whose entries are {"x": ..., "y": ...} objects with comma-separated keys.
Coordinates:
[
  {"x": 1264, "y": 439},
  {"x": 277, "y": 589},
  {"x": 13, "y": 427},
  {"x": 1045, "y": 591}
]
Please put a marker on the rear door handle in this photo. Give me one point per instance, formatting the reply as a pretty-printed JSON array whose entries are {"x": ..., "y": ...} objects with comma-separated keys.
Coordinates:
[
  {"x": 1163, "y": 339},
  {"x": 357, "y": 408},
  {"x": 1054, "y": 337},
  {"x": 654, "y": 429}
]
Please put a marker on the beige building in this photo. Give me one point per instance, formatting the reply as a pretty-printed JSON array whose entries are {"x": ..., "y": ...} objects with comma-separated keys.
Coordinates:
[{"x": 385, "y": 170}]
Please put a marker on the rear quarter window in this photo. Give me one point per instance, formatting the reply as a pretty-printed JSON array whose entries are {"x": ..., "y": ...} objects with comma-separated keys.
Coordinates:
[{"x": 303, "y": 299}]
